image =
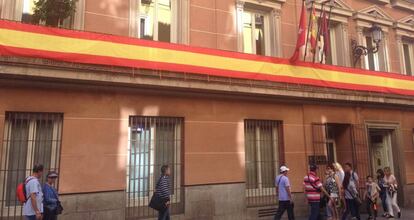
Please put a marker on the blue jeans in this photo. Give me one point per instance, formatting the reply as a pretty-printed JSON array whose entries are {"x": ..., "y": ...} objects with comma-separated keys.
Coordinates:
[
  {"x": 285, "y": 206},
  {"x": 164, "y": 215},
  {"x": 314, "y": 209},
  {"x": 30, "y": 217},
  {"x": 383, "y": 197},
  {"x": 351, "y": 208}
]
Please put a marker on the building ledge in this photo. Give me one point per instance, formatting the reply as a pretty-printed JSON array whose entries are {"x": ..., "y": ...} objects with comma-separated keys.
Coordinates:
[{"x": 28, "y": 70}]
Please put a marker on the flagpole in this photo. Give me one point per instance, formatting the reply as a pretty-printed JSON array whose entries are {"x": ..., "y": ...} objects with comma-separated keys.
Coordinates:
[
  {"x": 308, "y": 30},
  {"x": 329, "y": 28},
  {"x": 319, "y": 30}
]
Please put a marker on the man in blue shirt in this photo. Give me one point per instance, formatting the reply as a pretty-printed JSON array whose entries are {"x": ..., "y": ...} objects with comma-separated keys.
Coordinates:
[{"x": 285, "y": 196}]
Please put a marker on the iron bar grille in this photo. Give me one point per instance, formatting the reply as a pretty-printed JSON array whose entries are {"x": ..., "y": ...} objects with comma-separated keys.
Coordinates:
[
  {"x": 28, "y": 139},
  {"x": 262, "y": 149},
  {"x": 341, "y": 143},
  {"x": 153, "y": 142}
]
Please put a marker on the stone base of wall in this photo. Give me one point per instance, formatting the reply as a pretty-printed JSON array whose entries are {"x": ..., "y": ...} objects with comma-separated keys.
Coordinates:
[
  {"x": 215, "y": 202},
  {"x": 94, "y": 206}
]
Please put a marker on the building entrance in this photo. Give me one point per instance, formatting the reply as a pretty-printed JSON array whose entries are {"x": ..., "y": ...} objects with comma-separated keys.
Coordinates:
[{"x": 381, "y": 149}]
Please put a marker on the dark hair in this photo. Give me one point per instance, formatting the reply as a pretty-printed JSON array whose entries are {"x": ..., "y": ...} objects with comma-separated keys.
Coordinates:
[
  {"x": 369, "y": 176},
  {"x": 347, "y": 180},
  {"x": 330, "y": 166},
  {"x": 164, "y": 169},
  {"x": 348, "y": 164},
  {"x": 313, "y": 167},
  {"x": 380, "y": 173},
  {"x": 37, "y": 168}
]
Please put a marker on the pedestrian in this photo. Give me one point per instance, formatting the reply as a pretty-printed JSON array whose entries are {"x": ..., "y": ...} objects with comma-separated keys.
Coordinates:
[
  {"x": 284, "y": 193},
  {"x": 313, "y": 189},
  {"x": 33, "y": 207},
  {"x": 391, "y": 185},
  {"x": 371, "y": 196},
  {"x": 383, "y": 191},
  {"x": 339, "y": 172},
  {"x": 332, "y": 184},
  {"x": 51, "y": 201},
  {"x": 352, "y": 201},
  {"x": 163, "y": 191},
  {"x": 354, "y": 175}
]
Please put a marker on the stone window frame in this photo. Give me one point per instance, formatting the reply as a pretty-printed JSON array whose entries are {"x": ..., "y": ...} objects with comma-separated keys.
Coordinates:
[
  {"x": 273, "y": 9},
  {"x": 404, "y": 30},
  {"x": 364, "y": 20},
  {"x": 340, "y": 16},
  {"x": 180, "y": 22},
  {"x": 13, "y": 10}
]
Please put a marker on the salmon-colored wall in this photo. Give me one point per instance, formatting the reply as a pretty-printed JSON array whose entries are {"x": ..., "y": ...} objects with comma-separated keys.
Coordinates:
[
  {"x": 95, "y": 132},
  {"x": 107, "y": 16}
]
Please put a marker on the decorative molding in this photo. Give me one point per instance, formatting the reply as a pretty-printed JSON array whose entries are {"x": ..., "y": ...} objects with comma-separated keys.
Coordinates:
[
  {"x": 405, "y": 26},
  {"x": 383, "y": 2},
  {"x": 374, "y": 14},
  {"x": 341, "y": 11},
  {"x": 79, "y": 19},
  {"x": 403, "y": 4}
]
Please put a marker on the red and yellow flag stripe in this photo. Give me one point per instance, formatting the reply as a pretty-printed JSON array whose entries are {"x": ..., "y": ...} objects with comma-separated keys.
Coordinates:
[{"x": 18, "y": 39}]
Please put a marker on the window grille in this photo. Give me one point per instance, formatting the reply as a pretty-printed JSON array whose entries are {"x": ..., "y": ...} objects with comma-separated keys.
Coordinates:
[
  {"x": 28, "y": 139},
  {"x": 153, "y": 142},
  {"x": 263, "y": 145}
]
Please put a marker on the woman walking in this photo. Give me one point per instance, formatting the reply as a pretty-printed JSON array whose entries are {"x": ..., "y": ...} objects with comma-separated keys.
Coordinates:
[
  {"x": 332, "y": 187},
  {"x": 391, "y": 185},
  {"x": 383, "y": 191},
  {"x": 352, "y": 201},
  {"x": 52, "y": 205}
]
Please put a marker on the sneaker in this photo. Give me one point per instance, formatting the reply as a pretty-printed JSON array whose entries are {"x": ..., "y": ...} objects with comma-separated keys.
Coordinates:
[{"x": 399, "y": 214}]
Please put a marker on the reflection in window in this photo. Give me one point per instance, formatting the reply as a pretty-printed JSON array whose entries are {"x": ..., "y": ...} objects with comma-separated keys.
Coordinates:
[
  {"x": 155, "y": 18},
  {"x": 408, "y": 58},
  {"x": 28, "y": 11},
  {"x": 253, "y": 33}
]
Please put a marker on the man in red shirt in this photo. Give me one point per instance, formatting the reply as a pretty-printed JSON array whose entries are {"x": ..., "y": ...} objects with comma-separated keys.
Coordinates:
[{"x": 313, "y": 188}]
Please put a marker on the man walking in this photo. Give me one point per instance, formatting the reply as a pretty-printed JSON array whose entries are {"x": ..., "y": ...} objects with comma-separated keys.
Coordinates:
[
  {"x": 284, "y": 193},
  {"x": 33, "y": 207},
  {"x": 313, "y": 188},
  {"x": 163, "y": 191}
]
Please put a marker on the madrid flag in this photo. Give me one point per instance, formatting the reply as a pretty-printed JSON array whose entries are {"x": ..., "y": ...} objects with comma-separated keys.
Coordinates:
[{"x": 301, "y": 35}]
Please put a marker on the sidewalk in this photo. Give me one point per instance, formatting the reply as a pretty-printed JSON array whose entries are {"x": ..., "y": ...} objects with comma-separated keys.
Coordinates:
[{"x": 407, "y": 214}]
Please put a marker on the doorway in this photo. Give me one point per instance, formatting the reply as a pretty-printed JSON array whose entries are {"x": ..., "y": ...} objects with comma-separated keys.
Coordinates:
[{"x": 380, "y": 141}]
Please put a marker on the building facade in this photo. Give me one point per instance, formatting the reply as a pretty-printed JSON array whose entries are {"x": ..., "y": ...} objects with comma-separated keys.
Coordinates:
[{"x": 108, "y": 129}]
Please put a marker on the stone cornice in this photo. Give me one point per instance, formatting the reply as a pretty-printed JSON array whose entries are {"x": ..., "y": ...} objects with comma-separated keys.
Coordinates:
[
  {"x": 374, "y": 14},
  {"x": 340, "y": 12},
  {"x": 30, "y": 70},
  {"x": 405, "y": 26}
]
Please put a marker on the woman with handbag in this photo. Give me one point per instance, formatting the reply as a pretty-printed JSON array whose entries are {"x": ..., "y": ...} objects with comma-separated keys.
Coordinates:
[
  {"x": 332, "y": 186},
  {"x": 391, "y": 185},
  {"x": 383, "y": 191},
  {"x": 52, "y": 206},
  {"x": 352, "y": 200}
]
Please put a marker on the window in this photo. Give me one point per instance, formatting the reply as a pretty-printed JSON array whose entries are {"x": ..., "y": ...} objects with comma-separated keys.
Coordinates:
[
  {"x": 153, "y": 142},
  {"x": 408, "y": 50},
  {"x": 262, "y": 160},
  {"x": 254, "y": 32},
  {"x": 336, "y": 55},
  {"x": 156, "y": 20},
  {"x": 29, "y": 138},
  {"x": 377, "y": 61},
  {"x": 22, "y": 10}
]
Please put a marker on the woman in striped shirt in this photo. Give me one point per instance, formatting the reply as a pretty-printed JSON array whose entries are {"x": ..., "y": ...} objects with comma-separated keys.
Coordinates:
[{"x": 162, "y": 190}]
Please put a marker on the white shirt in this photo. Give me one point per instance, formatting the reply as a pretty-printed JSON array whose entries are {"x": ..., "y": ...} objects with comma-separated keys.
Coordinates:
[{"x": 33, "y": 186}]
